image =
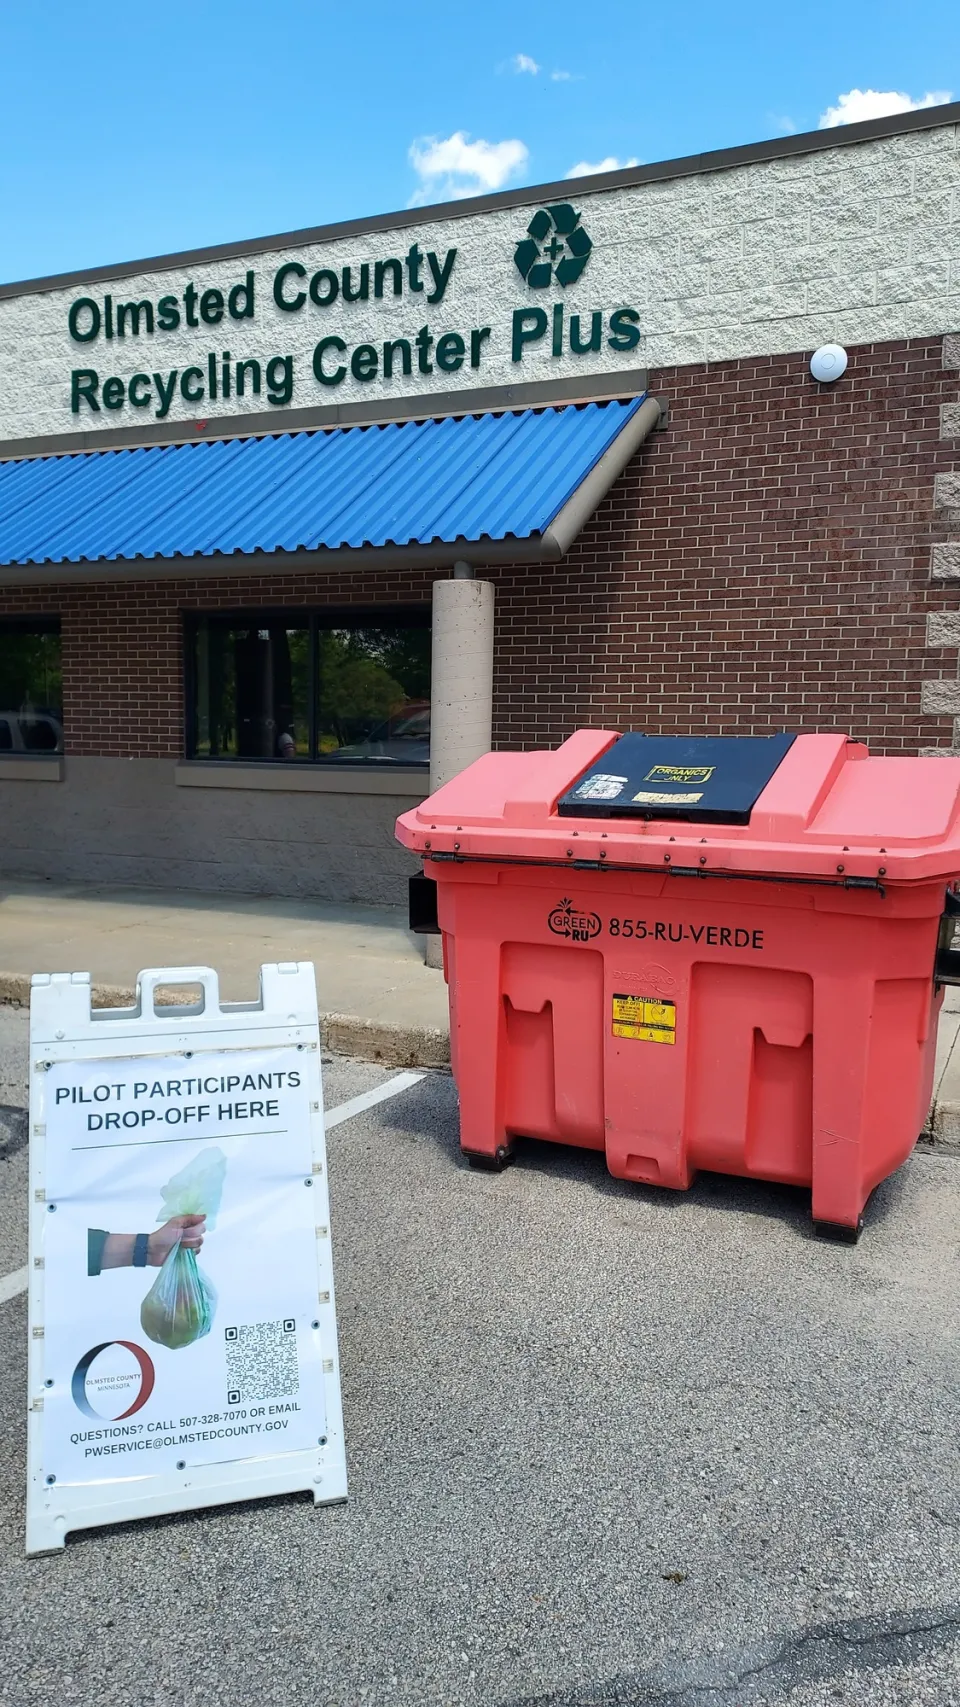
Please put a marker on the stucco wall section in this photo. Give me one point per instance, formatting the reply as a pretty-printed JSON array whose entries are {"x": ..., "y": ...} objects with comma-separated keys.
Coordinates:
[
  {"x": 943, "y": 628},
  {"x": 941, "y": 696},
  {"x": 855, "y": 244},
  {"x": 945, "y": 561},
  {"x": 946, "y": 490}
]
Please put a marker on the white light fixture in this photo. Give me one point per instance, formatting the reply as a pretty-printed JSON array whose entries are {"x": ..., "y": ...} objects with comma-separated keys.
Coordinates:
[{"x": 828, "y": 363}]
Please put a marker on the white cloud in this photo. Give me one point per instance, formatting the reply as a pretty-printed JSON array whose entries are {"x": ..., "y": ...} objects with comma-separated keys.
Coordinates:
[
  {"x": 561, "y": 77},
  {"x": 452, "y": 167},
  {"x": 522, "y": 62},
  {"x": 585, "y": 168},
  {"x": 859, "y": 104}
]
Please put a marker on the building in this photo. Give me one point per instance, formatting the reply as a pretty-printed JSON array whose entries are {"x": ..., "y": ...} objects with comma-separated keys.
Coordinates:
[{"x": 239, "y": 487}]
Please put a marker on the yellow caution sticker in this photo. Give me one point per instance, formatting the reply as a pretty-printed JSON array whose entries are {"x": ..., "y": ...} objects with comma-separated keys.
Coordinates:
[
  {"x": 647, "y": 797},
  {"x": 645, "y": 1018}
]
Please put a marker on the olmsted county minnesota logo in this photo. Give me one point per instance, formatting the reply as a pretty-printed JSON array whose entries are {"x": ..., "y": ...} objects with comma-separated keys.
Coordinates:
[{"x": 556, "y": 247}]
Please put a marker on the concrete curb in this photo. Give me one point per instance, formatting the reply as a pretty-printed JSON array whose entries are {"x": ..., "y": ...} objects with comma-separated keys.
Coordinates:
[
  {"x": 942, "y": 1131},
  {"x": 343, "y": 1034},
  {"x": 391, "y": 1045}
]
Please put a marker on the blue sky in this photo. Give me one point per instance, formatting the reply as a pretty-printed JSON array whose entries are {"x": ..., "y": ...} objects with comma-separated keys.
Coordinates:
[{"x": 135, "y": 130}]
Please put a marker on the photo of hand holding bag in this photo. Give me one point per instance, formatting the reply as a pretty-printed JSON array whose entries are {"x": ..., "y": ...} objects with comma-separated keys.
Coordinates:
[{"x": 180, "y": 1306}]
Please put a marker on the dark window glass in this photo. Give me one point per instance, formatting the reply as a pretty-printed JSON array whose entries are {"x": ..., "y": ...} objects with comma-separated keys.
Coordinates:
[
  {"x": 373, "y": 695},
  {"x": 31, "y": 691},
  {"x": 331, "y": 688},
  {"x": 39, "y": 734},
  {"x": 252, "y": 694}
]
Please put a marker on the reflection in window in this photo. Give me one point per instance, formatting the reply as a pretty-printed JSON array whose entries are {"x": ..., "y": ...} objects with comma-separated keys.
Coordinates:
[
  {"x": 252, "y": 690},
  {"x": 310, "y": 687},
  {"x": 31, "y": 690},
  {"x": 373, "y": 694}
]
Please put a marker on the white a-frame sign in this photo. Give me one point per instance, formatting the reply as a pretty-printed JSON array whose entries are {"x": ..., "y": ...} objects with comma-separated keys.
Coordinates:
[{"x": 183, "y": 1340}]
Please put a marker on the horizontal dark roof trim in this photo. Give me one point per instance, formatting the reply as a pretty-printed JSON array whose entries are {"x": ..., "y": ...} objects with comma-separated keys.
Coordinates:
[
  {"x": 690, "y": 165},
  {"x": 488, "y": 399},
  {"x": 259, "y": 563}
]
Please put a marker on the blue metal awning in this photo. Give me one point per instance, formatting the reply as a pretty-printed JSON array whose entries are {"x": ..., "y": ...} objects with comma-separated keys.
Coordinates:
[{"x": 412, "y": 484}]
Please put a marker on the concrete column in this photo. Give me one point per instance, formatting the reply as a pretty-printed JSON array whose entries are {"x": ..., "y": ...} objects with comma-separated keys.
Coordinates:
[{"x": 462, "y": 683}]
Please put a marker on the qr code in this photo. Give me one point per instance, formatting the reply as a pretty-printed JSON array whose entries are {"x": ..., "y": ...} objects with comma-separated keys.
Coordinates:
[{"x": 261, "y": 1361}]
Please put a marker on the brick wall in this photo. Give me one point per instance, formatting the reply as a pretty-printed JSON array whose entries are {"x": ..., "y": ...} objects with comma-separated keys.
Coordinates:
[{"x": 764, "y": 563}]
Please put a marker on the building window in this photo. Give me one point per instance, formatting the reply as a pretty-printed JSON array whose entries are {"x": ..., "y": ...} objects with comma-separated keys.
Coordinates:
[
  {"x": 31, "y": 690},
  {"x": 309, "y": 687}
]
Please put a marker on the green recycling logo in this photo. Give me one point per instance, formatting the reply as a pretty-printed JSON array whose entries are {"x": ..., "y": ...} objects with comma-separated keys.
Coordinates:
[{"x": 556, "y": 247}]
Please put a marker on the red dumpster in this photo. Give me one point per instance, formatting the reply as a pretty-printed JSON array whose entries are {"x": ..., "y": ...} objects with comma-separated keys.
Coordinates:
[{"x": 723, "y": 953}]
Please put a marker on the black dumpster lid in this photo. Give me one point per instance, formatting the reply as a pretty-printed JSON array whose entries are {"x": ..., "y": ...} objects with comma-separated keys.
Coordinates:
[{"x": 709, "y": 779}]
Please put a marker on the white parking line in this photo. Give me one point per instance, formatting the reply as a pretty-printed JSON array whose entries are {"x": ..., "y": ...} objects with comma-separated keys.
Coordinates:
[
  {"x": 11, "y": 1285},
  {"x": 369, "y": 1099}
]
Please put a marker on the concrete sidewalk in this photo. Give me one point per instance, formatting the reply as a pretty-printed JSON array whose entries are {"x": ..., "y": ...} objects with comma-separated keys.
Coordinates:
[{"x": 379, "y": 1001}]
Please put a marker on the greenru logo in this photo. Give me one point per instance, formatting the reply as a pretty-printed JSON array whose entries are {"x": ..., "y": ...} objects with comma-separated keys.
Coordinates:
[{"x": 555, "y": 247}]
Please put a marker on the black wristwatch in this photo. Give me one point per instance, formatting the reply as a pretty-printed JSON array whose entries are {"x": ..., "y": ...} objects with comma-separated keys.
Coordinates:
[{"x": 140, "y": 1243}]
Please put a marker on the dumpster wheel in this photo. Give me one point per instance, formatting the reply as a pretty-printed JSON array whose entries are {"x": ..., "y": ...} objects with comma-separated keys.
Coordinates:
[
  {"x": 837, "y": 1232},
  {"x": 485, "y": 1163}
]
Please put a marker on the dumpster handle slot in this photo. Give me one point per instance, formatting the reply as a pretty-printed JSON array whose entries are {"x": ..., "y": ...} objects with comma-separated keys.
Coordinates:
[{"x": 423, "y": 905}]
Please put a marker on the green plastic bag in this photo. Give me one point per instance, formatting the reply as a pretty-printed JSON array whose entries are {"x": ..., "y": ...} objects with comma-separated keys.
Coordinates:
[
  {"x": 196, "y": 1189},
  {"x": 180, "y": 1306}
]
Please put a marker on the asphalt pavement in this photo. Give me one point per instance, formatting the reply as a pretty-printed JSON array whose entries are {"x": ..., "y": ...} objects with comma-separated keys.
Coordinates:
[{"x": 606, "y": 1445}]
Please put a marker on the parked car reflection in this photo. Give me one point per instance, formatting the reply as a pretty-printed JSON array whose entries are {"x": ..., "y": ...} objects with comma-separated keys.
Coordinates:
[
  {"x": 403, "y": 739},
  {"x": 30, "y": 732}
]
